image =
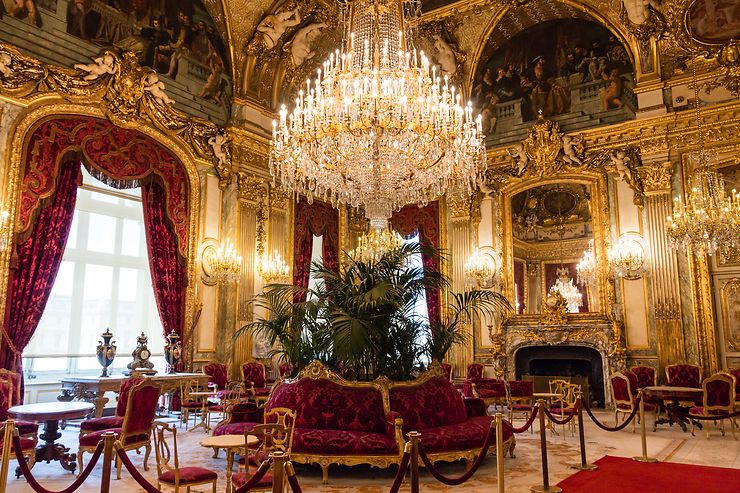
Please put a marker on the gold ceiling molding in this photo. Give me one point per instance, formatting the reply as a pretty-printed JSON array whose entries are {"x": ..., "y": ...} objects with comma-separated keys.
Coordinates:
[
  {"x": 656, "y": 179},
  {"x": 567, "y": 250},
  {"x": 250, "y": 150},
  {"x": 128, "y": 94},
  {"x": 251, "y": 187},
  {"x": 279, "y": 198}
]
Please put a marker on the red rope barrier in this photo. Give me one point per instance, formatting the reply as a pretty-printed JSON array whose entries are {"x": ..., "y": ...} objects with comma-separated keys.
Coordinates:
[
  {"x": 529, "y": 422},
  {"x": 131, "y": 468},
  {"x": 619, "y": 427},
  {"x": 467, "y": 474},
  {"x": 292, "y": 479},
  {"x": 34, "y": 484},
  {"x": 258, "y": 475},
  {"x": 402, "y": 468},
  {"x": 559, "y": 421}
]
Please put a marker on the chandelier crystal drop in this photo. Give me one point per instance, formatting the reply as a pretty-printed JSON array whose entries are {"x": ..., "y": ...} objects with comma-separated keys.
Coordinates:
[
  {"x": 564, "y": 285},
  {"x": 373, "y": 245},
  {"x": 586, "y": 268},
  {"x": 627, "y": 256},
  {"x": 379, "y": 126},
  {"x": 482, "y": 268},
  {"x": 273, "y": 269},
  {"x": 224, "y": 262}
]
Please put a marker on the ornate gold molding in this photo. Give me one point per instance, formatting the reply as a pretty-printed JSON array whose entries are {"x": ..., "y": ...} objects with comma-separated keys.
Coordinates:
[
  {"x": 279, "y": 198},
  {"x": 656, "y": 178},
  {"x": 128, "y": 94}
]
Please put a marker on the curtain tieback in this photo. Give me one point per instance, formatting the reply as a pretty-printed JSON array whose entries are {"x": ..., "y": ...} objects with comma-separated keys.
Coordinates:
[{"x": 9, "y": 342}]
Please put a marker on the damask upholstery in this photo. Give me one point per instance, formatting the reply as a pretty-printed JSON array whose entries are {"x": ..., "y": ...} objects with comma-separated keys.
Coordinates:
[
  {"x": 254, "y": 374},
  {"x": 239, "y": 479},
  {"x": 447, "y": 368},
  {"x": 15, "y": 382},
  {"x": 718, "y": 399},
  {"x": 475, "y": 371},
  {"x": 285, "y": 370},
  {"x": 435, "y": 403},
  {"x": 92, "y": 439},
  {"x": 469, "y": 434},
  {"x": 621, "y": 391},
  {"x": 218, "y": 373},
  {"x": 521, "y": 388},
  {"x": 646, "y": 376},
  {"x": 343, "y": 442},
  {"x": 189, "y": 475},
  {"x": 27, "y": 429},
  {"x": 683, "y": 375},
  {"x": 107, "y": 422}
]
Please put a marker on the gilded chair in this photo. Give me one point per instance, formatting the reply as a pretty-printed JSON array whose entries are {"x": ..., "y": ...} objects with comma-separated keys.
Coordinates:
[
  {"x": 475, "y": 371},
  {"x": 520, "y": 399},
  {"x": 276, "y": 434},
  {"x": 565, "y": 404},
  {"x": 255, "y": 381},
  {"x": 189, "y": 405},
  {"x": 218, "y": 374},
  {"x": 136, "y": 430},
  {"x": 718, "y": 398},
  {"x": 735, "y": 372},
  {"x": 232, "y": 394},
  {"x": 26, "y": 429},
  {"x": 646, "y": 376},
  {"x": 28, "y": 446},
  {"x": 169, "y": 472},
  {"x": 107, "y": 422},
  {"x": 683, "y": 375},
  {"x": 624, "y": 393}
]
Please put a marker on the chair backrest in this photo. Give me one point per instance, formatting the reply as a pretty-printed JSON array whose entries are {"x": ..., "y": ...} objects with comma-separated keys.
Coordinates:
[
  {"x": 286, "y": 418},
  {"x": 475, "y": 370},
  {"x": 123, "y": 392},
  {"x": 218, "y": 373},
  {"x": 186, "y": 388},
  {"x": 558, "y": 385},
  {"x": 285, "y": 369},
  {"x": 15, "y": 381},
  {"x": 6, "y": 398},
  {"x": 167, "y": 459},
  {"x": 719, "y": 392},
  {"x": 646, "y": 376},
  {"x": 735, "y": 372},
  {"x": 447, "y": 368},
  {"x": 140, "y": 411},
  {"x": 521, "y": 388},
  {"x": 683, "y": 375},
  {"x": 253, "y": 373},
  {"x": 621, "y": 389}
]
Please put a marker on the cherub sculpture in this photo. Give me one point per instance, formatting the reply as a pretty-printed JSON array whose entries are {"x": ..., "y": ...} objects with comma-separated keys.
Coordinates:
[
  {"x": 5, "y": 61},
  {"x": 520, "y": 158},
  {"x": 156, "y": 88},
  {"x": 445, "y": 55},
  {"x": 273, "y": 26},
  {"x": 220, "y": 150},
  {"x": 302, "y": 46},
  {"x": 621, "y": 160},
  {"x": 100, "y": 66},
  {"x": 570, "y": 152},
  {"x": 638, "y": 11}
]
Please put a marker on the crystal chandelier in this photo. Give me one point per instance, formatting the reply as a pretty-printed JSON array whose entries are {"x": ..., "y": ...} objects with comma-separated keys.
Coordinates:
[
  {"x": 627, "y": 256},
  {"x": 564, "y": 285},
  {"x": 373, "y": 245},
  {"x": 482, "y": 268},
  {"x": 273, "y": 269},
  {"x": 223, "y": 263},
  {"x": 710, "y": 218},
  {"x": 586, "y": 268},
  {"x": 378, "y": 127}
]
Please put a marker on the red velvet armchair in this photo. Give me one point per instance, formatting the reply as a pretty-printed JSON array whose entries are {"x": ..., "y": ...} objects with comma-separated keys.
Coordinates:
[
  {"x": 285, "y": 370},
  {"x": 718, "y": 398},
  {"x": 116, "y": 421},
  {"x": 520, "y": 398},
  {"x": 170, "y": 473},
  {"x": 26, "y": 429},
  {"x": 136, "y": 430},
  {"x": 255, "y": 381},
  {"x": 219, "y": 375},
  {"x": 490, "y": 390},
  {"x": 624, "y": 386},
  {"x": 646, "y": 376},
  {"x": 683, "y": 375}
]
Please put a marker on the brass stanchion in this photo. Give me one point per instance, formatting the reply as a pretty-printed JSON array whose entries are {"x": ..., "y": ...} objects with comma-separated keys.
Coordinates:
[
  {"x": 545, "y": 486},
  {"x": 500, "y": 451},
  {"x": 414, "y": 466},
  {"x": 643, "y": 432},
  {"x": 583, "y": 466},
  {"x": 9, "y": 431},
  {"x": 278, "y": 471},
  {"x": 108, "y": 439}
]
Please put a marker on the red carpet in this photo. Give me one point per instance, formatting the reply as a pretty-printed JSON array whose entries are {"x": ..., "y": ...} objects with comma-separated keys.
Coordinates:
[{"x": 619, "y": 474}]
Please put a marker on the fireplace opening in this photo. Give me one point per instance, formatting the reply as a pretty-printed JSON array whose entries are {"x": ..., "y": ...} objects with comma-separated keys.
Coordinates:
[{"x": 579, "y": 364}]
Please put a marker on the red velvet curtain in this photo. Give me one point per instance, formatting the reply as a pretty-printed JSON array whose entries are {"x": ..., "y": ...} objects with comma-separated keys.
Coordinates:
[
  {"x": 33, "y": 272},
  {"x": 169, "y": 274},
  {"x": 320, "y": 219},
  {"x": 425, "y": 220}
]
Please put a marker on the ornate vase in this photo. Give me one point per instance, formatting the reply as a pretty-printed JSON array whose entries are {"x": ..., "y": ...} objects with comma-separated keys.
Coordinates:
[
  {"x": 106, "y": 351},
  {"x": 172, "y": 351}
]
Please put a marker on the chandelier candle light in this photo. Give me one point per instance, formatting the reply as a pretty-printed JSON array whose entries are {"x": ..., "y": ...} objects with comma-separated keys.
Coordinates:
[
  {"x": 224, "y": 263},
  {"x": 379, "y": 126},
  {"x": 627, "y": 256},
  {"x": 482, "y": 268},
  {"x": 586, "y": 268},
  {"x": 273, "y": 269},
  {"x": 564, "y": 285},
  {"x": 373, "y": 245}
]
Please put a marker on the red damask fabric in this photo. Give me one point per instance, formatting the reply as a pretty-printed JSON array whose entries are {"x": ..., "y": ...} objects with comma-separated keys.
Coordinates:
[
  {"x": 645, "y": 376},
  {"x": 168, "y": 269},
  {"x": 255, "y": 373},
  {"x": 38, "y": 259},
  {"x": 718, "y": 393},
  {"x": 123, "y": 392},
  {"x": 105, "y": 423},
  {"x": 684, "y": 376},
  {"x": 620, "y": 387},
  {"x": 188, "y": 475},
  {"x": 342, "y": 442},
  {"x": 521, "y": 388},
  {"x": 320, "y": 219},
  {"x": 218, "y": 373},
  {"x": 234, "y": 428},
  {"x": 460, "y": 436},
  {"x": 425, "y": 221},
  {"x": 15, "y": 382},
  {"x": 475, "y": 371},
  {"x": 324, "y": 405},
  {"x": 144, "y": 406},
  {"x": 434, "y": 403}
]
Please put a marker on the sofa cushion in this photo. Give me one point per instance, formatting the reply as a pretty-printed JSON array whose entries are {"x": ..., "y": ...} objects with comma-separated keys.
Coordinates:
[
  {"x": 434, "y": 403},
  {"x": 239, "y": 479},
  {"x": 189, "y": 475},
  {"x": 338, "y": 442},
  {"x": 467, "y": 435},
  {"x": 105, "y": 423},
  {"x": 234, "y": 428},
  {"x": 27, "y": 427},
  {"x": 324, "y": 405},
  {"x": 92, "y": 439}
]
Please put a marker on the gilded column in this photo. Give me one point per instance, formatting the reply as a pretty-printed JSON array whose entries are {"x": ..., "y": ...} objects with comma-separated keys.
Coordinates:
[
  {"x": 459, "y": 250},
  {"x": 252, "y": 220},
  {"x": 664, "y": 278}
]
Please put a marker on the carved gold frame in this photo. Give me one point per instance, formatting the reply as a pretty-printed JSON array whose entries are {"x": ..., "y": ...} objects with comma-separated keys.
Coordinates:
[
  {"x": 597, "y": 184},
  {"x": 49, "y": 107}
]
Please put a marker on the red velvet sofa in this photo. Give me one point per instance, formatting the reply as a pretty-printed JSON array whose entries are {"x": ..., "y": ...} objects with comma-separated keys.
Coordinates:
[{"x": 351, "y": 423}]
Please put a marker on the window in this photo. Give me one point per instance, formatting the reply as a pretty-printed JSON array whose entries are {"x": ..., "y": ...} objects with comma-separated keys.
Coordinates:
[
  {"x": 103, "y": 281},
  {"x": 317, "y": 255},
  {"x": 420, "y": 309}
]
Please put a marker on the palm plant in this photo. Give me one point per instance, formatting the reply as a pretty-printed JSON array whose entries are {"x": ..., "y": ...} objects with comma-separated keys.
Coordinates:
[{"x": 360, "y": 320}]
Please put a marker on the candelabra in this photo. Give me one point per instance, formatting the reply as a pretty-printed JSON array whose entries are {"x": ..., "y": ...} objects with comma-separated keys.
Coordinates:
[
  {"x": 586, "y": 268},
  {"x": 273, "y": 269},
  {"x": 222, "y": 263},
  {"x": 372, "y": 246},
  {"x": 627, "y": 256},
  {"x": 482, "y": 269}
]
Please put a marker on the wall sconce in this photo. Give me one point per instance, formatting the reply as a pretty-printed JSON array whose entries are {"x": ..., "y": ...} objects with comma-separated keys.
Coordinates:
[
  {"x": 627, "y": 257},
  {"x": 483, "y": 268},
  {"x": 586, "y": 268},
  {"x": 273, "y": 269},
  {"x": 220, "y": 263}
]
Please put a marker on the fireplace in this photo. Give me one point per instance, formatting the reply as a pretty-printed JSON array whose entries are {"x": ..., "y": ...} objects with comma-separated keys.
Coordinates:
[{"x": 575, "y": 362}]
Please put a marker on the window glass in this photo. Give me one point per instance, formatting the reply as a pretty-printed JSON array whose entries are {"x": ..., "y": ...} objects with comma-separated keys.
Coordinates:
[{"x": 103, "y": 233}]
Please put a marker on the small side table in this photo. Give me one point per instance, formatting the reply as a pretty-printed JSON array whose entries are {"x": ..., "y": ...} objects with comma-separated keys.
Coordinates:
[
  {"x": 51, "y": 413},
  {"x": 231, "y": 444},
  {"x": 203, "y": 396}
]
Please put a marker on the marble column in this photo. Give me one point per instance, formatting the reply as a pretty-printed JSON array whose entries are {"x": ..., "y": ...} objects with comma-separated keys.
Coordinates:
[{"x": 460, "y": 248}]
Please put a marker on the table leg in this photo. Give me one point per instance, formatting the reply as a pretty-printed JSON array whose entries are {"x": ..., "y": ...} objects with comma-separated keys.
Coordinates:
[
  {"x": 50, "y": 450},
  {"x": 229, "y": 465}
]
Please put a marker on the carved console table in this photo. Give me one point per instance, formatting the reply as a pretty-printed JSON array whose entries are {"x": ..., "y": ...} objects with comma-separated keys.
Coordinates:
[{"x": 93, "y": 389}]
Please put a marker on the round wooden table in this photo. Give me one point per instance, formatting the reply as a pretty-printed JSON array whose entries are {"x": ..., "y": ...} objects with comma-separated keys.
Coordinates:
[
  {"x": 51, "y": 413},
  {"x": 673, "y": 396},
  {"x": 231, "y": 444}
]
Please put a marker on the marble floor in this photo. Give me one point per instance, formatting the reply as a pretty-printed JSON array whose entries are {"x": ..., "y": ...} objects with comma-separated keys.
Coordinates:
[{"x": 667, "y": 444}]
